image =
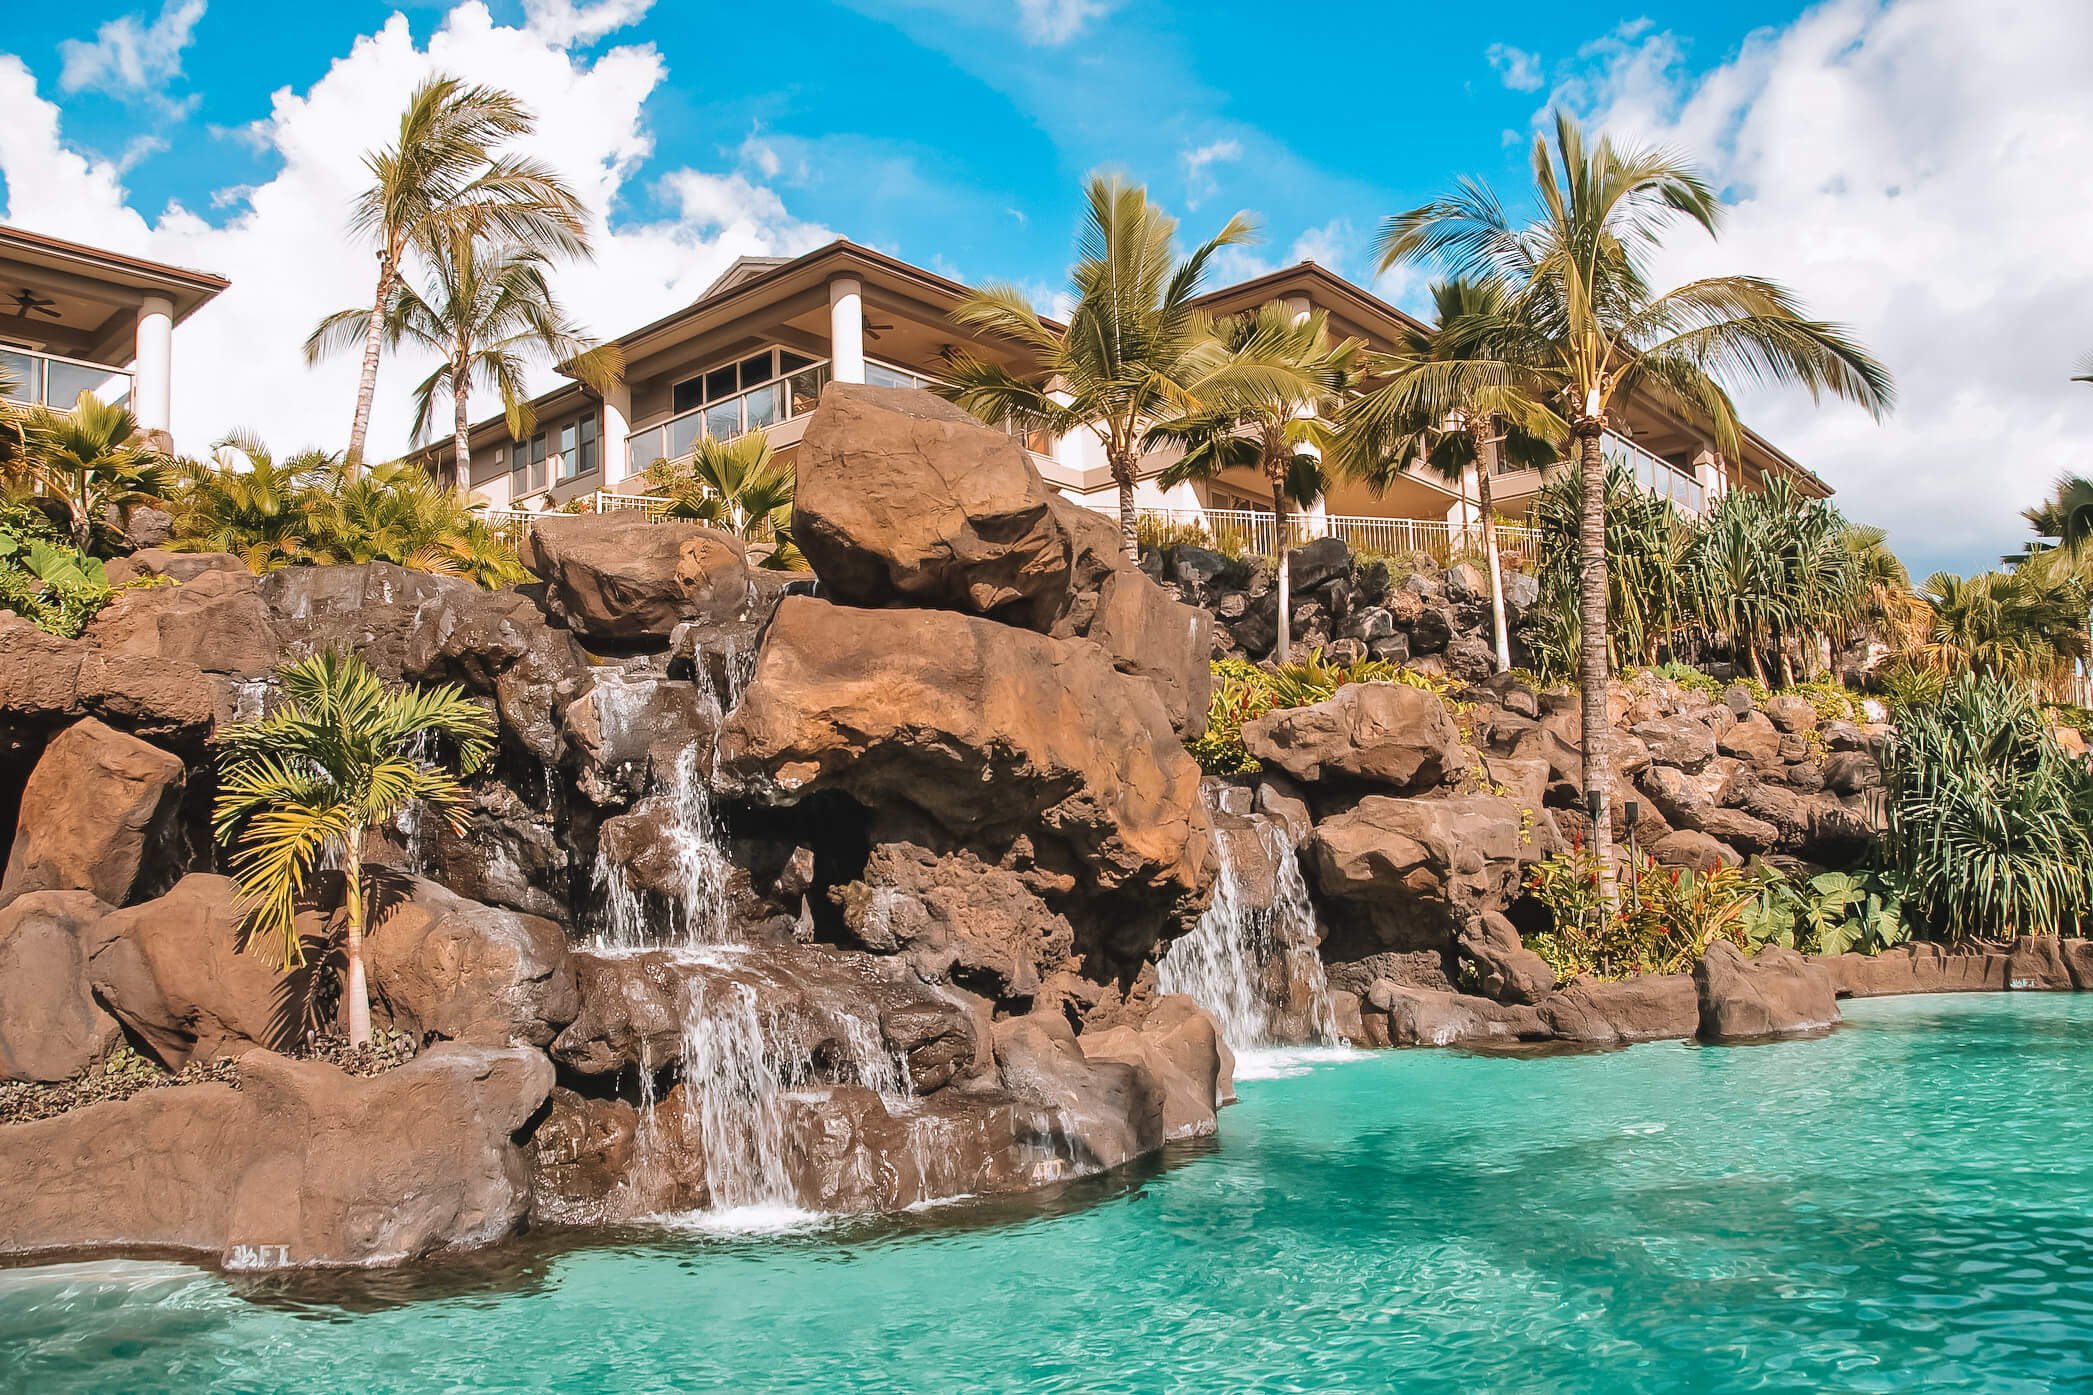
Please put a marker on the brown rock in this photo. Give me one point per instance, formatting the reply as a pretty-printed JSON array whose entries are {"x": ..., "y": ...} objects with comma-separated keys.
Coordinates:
[
  {"x": 993, "y": 735},
  {"x": 302, "y": 1165},
  {"x": 1776, "y": 993},
  {"x": 51, "y": 1028},
  {"x": 2036, "y": 964},
  {"x": 1383, "y": 735},
  {"x": 442, "y": 966},
  {"x": 1754, "y": 739},
  {"x": 958, "y": 920},
  {"x": 100, "y": 813},
  {"x": 1851, "y": 772},
  {"x": 1677, "y": 741},
  {"x": 45, "y": 680},
  {"x": 581, "y": 1153},
  {"x": 1505, "y": 968},
  {"x": 1426, "y": 1017},
  {"x": 215, "y": 621},
  {"x": 622, "y": 576},
  {"x": 1179, "y": 1047},
  {"x": 1436, "y": 860},
  {"x": 1648, "y": 1007},
  {"x": 1792, "y": 714},
  {"x": 176, "y": 566},
  {"x": 1923, "y": 967},
  {"x": 1111, "y": 1111},
  {"x": 1698, "y": 851},
  {"x": 172, "y": 971}
]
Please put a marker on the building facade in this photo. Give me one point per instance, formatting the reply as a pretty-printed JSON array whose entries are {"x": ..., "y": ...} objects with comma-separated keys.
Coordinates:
[
  {"x": 79, "y": 319},
  {"x": 755, "y": 349}
]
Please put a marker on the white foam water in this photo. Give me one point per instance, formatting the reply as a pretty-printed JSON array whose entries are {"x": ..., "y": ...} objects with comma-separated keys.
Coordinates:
[{"x": 1225, "y": 963}]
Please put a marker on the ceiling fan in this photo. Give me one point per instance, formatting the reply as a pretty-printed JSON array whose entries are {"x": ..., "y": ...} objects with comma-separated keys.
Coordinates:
[
  {"x": 872, "y": 330},
  {"x": 28, "y": 302}
]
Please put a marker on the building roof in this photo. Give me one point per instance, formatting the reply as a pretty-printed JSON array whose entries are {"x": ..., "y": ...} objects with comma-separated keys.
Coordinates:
[{"x": 88, "y": 295}]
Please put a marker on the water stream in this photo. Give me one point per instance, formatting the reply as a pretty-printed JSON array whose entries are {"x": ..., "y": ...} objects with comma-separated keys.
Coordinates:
[{"x": 1254, "y": 965}]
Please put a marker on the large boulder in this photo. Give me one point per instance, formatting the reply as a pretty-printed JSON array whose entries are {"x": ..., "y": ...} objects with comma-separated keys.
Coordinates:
[
  {"x": 215, "y": 621},
  {"x": 904, "y": 499},
  {"x": 300, "y": 1165},
  {"x": 100, "y": 813},
  {"x": 1178, "y": 1045},
  {"x": 174, "y": 972},
  {"x": 369, "y": 609},
  {"x": 1400, "y": 1015},
  {"x": 1504, "y": 968},
  {"x": 1013, "y": 744},
  {"x": 1616, "y": 1012},
  {"x": 1436, "y": 862},
  {"x": 1777, "y": 993},
  {"x": 623, "y": 577},
  {"x": 499, "y": 644},
  {"x": 1386, "y": 736},
  {"x": 441, "y": 966},
  {"x": 1109, "y": 1111},
  {"x": 46, "y": 680},
  {"x": 51, "y": 1028}
]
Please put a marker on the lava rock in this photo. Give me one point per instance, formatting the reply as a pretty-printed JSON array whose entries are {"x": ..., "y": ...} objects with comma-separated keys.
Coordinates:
[
  {"x": 1777, "y": 993},
  {"x": 100, "y": 813},
  {"x": 51, "y": 1028},
  {"x": 1382, "y": 735}
]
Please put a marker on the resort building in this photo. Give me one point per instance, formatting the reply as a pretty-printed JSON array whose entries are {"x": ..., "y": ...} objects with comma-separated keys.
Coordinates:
[
  {"x": 755, "y": 349},
  {"x": 77, "y": 319}
]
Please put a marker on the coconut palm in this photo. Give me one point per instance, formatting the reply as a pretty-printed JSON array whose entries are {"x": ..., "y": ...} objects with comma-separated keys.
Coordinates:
[
  {"x": 1134, "y": 347},
  {"x": 1269, "y": 405},
  {"x": 733, "y": 485},
  {"x": 1447, "y": 397},
  {"x": 2025, "y": 625},
  {"x": 94, "y": 461},
  {"x": 304, "y": 784},
  {"x": 441, "y": 174},
  {"x": 488, "y": 310},
  {"x": 1591, "y": 325}
]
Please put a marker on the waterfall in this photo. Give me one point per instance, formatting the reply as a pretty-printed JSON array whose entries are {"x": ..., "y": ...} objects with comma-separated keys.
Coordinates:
[{"x": 1242, "y": 956}]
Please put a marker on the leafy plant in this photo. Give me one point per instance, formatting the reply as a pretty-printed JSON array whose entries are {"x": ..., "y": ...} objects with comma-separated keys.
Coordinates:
[
  {"x": 1667, "y": 917},
  {"x": 342, "y": 754},
  {"x": 1831, "y": 913},
  {"x": 734, "y": 485},
  {"x": 43, "y": 577}
]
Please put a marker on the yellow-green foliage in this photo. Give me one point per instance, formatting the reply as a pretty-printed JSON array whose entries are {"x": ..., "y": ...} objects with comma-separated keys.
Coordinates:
[{"x": 1243, "y": 692}]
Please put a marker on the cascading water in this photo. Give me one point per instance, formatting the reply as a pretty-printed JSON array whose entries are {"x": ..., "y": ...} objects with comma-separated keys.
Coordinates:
[{"x": 1230, "y": 961}]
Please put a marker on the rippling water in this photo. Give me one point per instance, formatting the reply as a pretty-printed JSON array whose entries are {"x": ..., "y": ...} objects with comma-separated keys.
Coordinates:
[{"x": 1906, "y": 1204}]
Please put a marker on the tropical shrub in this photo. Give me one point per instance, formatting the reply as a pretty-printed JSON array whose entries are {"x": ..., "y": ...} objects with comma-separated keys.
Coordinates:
[
  {"x": 1667, "y": 917},
  {"x": 93, "y": 463},
  {"x": 43, "y": 577},
  {"x": 1831, "y": 913},
  {"x": 1989, "y": 822},
  {"x": 1243, "y": 691},
  {"x": 736, "y": 486}
]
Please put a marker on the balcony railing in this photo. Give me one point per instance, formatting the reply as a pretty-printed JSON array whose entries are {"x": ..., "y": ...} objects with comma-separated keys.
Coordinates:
[
  {"x": 791, "y": 396},
  {"x": 1659, "y": 476},
  {"x": 46, "y": 380},
  {"x": 1253, "y": 530}
]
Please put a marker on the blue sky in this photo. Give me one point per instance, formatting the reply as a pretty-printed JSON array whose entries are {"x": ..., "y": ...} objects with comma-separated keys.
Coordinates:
[
  {"x": 1879, "y": 155},
  {"x": 951, "y": 132}
]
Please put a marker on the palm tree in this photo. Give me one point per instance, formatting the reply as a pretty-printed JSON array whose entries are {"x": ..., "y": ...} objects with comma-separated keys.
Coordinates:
[
  {"x": 94, "y": 461},
  {"x": 734, "y": 485},
  {"x": 245, "y": 503},
  {"x": 1134, "y": 347},
  {"x": 2025, "y": 625},
  {"x": 440, "y": 175},
  {"x": 1447, "y": 397},
  {"x": 488, "y": 310},
  {"x": 306, "y": 783},
  {"x": 1591, "y": 326},
  {"x": 1269, "y": 406}
]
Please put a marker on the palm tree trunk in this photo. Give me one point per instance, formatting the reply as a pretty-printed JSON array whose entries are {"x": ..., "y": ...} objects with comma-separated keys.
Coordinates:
[
  {"x": 1486, "y": 466},
  {"x": 367, "y": 384},
  {"x": 1282, "y": 645},
  {"x": 355, "y": 993},
  {"x": 461, "y": 431},
  {"x": 1129, "y": 533},
  {"x": 1592, "y": 668}
]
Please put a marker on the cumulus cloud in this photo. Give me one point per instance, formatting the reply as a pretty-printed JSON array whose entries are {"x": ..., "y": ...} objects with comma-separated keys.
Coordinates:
[
  {"x": 1328, "y": 246},
  {"x": 567, "y": 23},
  {"x": 238, "y": 362},
  {"x": 1057, "y": 21},
  {"x": 1516, "y": 68},
  {"x": 1911, "y": 168},
  {"x": 130, "y": 58},
  {"x": 1199, "y": 166}
]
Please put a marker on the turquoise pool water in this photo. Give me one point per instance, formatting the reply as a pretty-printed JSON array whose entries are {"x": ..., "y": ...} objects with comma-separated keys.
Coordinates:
[{"x": 1906, "y": 1204}]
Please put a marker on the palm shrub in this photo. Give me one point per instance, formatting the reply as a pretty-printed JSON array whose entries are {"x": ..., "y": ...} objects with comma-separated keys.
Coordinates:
[
  {"x": 95, "y": 463},
  {"x": 1989, "y": 822},
  {"x": 304, "y": 784},
  {"x": 2027, "y": 624},
  {"x": 1136, "y": 349},
  {"x": 737, "y": 486}
]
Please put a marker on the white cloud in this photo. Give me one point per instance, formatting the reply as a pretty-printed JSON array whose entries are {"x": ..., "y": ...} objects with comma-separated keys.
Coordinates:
[
  {"x": 1199, "y": 165},
  {"x": 1912, "y": 168},
  {"x": 1327, "y": 246},
  {"x": 567, "y": 23},
  {"x": 1518, "y": 69},
  {"x": 1057, "y": 21},
  {"x": 238, "y": 362},
  {"x": 131, "y": 58}
]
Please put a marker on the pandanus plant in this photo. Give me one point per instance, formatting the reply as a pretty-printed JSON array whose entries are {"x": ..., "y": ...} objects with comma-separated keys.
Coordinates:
[{"x": 305, "y": 784}]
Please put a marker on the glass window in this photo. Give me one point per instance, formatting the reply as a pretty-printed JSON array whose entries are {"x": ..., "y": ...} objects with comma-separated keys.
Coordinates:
[
  {"x": 681, "y": 432},
  {"x": 879, "y": 375},
  {"x": 64, "y": 382},
  {"x": 756, "y": 370},
  {"x": 538, "y": 480},
  {"x": 803, "y": 389},
  {"x": 689, "y": 393},
  {"x": 723, "y": 419},
  {"x": 21, "y": 370},
  {"x": 721, "y": 382},
  {"x": 570, "y": 458},
  {"x": 764, "y": 406},
  {"x": 790, "y": 362},
  {"x": 589, "y": 451}
]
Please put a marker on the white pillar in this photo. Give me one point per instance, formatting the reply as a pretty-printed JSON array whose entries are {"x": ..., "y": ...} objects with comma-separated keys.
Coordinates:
[
  {"x": 1707, "y": 469},
  {"x": 152, "y": 400},
  {"x": 846, "y": 330},
  {"x": 617, "y": 428}
]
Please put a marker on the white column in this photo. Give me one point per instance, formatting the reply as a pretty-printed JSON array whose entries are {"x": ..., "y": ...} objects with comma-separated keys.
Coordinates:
[
  {"x": 1707, "y": 469},
  {"x": 152, "y": 399},
  {"x": 846, "y": 330},
  {"x": 617, "y": 428}
]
